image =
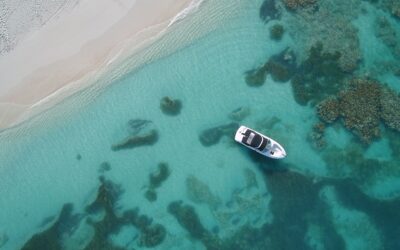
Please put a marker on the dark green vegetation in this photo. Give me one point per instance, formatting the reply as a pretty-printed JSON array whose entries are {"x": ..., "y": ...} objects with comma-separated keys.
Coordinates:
[
  {"x": 145, "y": 139},
  {"x": 213, "y": 135},
  {"x": 170, "y": 106},
  {"x": 156, "y": 179},
  {"x": 276, "y": 32}
]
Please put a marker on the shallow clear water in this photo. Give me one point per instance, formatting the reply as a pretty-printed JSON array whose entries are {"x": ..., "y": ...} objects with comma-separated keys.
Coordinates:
[{"x": 220, "y": 196}]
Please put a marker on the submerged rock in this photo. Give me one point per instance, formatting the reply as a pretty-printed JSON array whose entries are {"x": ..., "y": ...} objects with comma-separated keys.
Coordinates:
[
  {"x": 147, "y": 139},
  {"x": 170, "y": 106},
  {"x": 213, "y": 135}
]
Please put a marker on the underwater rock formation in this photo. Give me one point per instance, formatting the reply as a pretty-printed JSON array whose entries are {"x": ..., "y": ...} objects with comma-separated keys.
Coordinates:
[
  {"x": 276, "y": 32},
  {"x": 146, "y": 139},
  {"x": 239, "y": 114},
  {"x": 170, "y": 106},
  {"x": 295, "y": 4},
  {"x": 3, "y": 239},
  {"x": 199, "y": 192},
  {"x": 78, "y": 157},
  {"x": 212, "y": 136},
  {"x": 51, "y": 238},
  {"x": 269, "y": 11},
  {"x": 156, "y": 179},
  {"x": 152, "y": 235}
]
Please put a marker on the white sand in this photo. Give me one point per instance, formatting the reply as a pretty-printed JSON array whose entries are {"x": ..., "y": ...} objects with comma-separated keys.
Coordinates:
[{"x": 73, "y": 46}]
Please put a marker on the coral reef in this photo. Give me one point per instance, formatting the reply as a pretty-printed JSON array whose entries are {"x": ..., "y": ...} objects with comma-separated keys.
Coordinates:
[
  {"x": 148, "y": 139},
  {"x": 137, "y": 125},
  {"x": 387, "y": 33},
  {"x": 269, "y": 11},
  {"x": 107, "y": 196},
  {"x": 295, "y": 4},
  {"x": 331, "y": 23},
  {"x": 212, "y": 136},
  {"x": 256, "y": 77},
  {"x": 320, "y": 71},
  {"x": 3, "y": 239},
  {"x": 104, "y": 167},
  {"x": 78, "y": 157},
  {"x": 170, "y": 106},
  {"x": 156, "y": 179},
  {"x": 317, "y": 136},
  {"x": 390, "y": 109},
  {"x": 199, "y": 192},
  {"x": 51, "y": 238},
  {"x": 281, "y": 67},
  {"x": 362, "y": 106},
  {"x": 239, "y": 114},
  {"x": 276, "y": 32},
  {"x": 328, "y": 110}
]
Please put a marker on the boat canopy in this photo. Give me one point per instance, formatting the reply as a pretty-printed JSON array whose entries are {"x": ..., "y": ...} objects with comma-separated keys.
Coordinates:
[{"x": 255, "y": 140}]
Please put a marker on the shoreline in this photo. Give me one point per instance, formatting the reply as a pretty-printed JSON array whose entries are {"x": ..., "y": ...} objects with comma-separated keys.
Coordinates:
[{"x": 40, "y": 78}]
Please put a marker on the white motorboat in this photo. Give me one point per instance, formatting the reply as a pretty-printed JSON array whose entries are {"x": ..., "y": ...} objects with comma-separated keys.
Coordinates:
[{"x": 259, "y": 143}]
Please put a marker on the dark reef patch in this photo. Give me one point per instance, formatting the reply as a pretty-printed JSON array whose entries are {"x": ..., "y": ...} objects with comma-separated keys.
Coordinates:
[
  {"x": 281, "y": 67},
  {"x": 212, "y": 136},
  {"x": 170, "y": 106},
  {"x": 134, "y": 141},
  {"x": 269, "y": 11},
  {"x": 156, "y": 179},
  {"x": 276, "y": 32},
  {"x": 239, "y": 114},
  {"x": 320, "y": 71},
  {"x": 51, "y": 238},
  {"x": 108, "y": 194},
  {"x": 137, "y": 125},
  {"x": 104, "y": 167}
]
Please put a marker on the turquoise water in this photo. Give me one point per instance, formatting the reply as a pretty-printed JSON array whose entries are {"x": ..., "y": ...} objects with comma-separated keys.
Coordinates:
[{"x": 63, "y": 187}]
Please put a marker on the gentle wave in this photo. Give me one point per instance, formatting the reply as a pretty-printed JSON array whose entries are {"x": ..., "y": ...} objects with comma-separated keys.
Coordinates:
[{"x": 193, "y": 7}]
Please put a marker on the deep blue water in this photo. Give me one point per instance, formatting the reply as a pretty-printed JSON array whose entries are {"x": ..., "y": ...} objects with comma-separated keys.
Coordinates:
[{"x": 123, "y": 171}]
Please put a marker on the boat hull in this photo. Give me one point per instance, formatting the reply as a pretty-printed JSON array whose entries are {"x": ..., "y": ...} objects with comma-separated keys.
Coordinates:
[{"x": 272, "y": 150}]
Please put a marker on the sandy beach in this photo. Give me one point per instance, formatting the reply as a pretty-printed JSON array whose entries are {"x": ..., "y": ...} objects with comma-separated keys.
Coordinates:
[{"x": 77, "y": 43}]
